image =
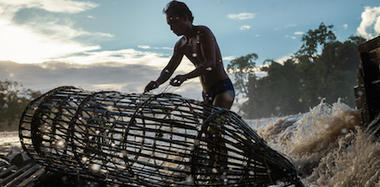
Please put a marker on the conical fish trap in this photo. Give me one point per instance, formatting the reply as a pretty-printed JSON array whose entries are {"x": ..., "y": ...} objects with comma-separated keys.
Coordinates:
[{"x": 150, "y": 140}]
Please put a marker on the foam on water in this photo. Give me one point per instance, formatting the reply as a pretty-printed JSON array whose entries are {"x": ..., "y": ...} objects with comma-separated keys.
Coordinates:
[{"x": 326, "y": 145}]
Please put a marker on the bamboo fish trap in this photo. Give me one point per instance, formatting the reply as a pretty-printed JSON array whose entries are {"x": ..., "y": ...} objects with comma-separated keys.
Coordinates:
[{"x": 147, "y": 140}]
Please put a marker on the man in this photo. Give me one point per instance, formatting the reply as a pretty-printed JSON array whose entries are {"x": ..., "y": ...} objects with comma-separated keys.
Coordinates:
[{"x": 199, "y": 45}]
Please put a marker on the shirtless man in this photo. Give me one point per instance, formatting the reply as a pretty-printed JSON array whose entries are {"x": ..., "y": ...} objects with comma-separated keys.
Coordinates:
[{"x": 199, "y": 45}]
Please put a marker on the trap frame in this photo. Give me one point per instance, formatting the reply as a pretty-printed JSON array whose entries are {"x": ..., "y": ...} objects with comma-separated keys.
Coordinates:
[{"x": 145, "y": 139}]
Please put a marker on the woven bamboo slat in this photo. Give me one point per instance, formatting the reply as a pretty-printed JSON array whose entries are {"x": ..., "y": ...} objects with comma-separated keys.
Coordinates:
[{"x": 149, "y": 140}]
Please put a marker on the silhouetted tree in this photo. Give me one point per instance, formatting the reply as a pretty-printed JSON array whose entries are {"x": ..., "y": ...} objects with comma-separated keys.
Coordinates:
[
  {"x": 323, "y": 68},
  {"x": 243, "y": 69},
  {"x": 13, "y": 100}
]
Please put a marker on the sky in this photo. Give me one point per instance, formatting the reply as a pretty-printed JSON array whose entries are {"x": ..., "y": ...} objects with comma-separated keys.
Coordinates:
[{"x": 123, "y": 44}]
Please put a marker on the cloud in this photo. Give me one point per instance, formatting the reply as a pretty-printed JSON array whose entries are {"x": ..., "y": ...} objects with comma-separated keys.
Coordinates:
[
  {"x": 279, "y": 60},
  {"x": 33, "y": 36},
  {"x": 370, "y": 24},
  {"x": 228, "y": 58},
  {"x": 126, "y": 56},
  {"x": 59, "y": 29},
  {"x": 282, "y": 59},
  {"x": 143, "y": 46},
  {"x": 66, "y": 6},
  {"x": 164, "y": 48},
  {"x": 25, "y": 45},
  {"x": 241, "y": 16},
  {"x": 58, "y": 6},
  {"x": 245, "y": 27},
  {"x": 345, "y": 26},
  {"x": 298, "y": 33},
  {"x": 128, "y": 78},
  {"x": 377, "y": 26},
  {"x": 259, "y": 72},
  {"x": 291, "y": 37}
]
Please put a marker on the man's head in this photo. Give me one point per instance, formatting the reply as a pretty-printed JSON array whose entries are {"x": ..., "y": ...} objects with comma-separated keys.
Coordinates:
[
  {"x": 180, "y": 9},
  {"x": 179, "y": 17}
]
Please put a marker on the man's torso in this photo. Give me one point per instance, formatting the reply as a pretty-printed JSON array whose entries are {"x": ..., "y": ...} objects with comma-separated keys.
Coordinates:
[{"x": 193, "y": 49}]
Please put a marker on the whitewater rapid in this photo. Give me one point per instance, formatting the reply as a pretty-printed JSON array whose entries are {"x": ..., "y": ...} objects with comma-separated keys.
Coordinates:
[{"x": 326, "y": 145}]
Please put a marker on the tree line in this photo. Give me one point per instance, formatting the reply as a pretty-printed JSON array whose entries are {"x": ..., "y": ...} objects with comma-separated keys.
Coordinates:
[
  {"x": 322, "y": 69},
  {"x": 13, "y": 101}
]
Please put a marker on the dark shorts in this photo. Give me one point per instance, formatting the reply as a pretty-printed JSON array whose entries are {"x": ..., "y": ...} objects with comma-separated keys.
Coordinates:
[{"x": 218, "y": 88}]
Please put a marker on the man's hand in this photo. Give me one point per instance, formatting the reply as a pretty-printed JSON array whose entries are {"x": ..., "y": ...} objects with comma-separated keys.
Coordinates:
[
  {"x": 151, "y": 85},
  {"x": 178, "y": 80}
]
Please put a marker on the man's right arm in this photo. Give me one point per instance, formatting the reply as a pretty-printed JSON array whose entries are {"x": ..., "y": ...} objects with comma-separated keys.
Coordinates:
[{"x": 172, "y": 65}]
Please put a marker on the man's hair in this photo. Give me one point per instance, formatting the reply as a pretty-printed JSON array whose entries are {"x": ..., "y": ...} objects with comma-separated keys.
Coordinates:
[{"x": 178, "y": 8}]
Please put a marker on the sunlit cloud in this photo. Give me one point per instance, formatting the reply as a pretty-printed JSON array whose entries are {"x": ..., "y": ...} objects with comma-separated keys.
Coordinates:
[
  {"x": 241, "y": 16},
  {"x": 228, "y": 58},
  {"x": 370, "y": 24},
  {"x": 40, "y": 37},
  {"x": 59, "y": 6},
  {"x": 245, "y": 27},
  {"x": 282, "y": 59},
  {"x": 126, "y": 56},
  {"x": 60, "y": 30},
  {"x": 26, "y": 46},
  {"x": 298, "y": 33},
  {"x": 128, "y": 78}
]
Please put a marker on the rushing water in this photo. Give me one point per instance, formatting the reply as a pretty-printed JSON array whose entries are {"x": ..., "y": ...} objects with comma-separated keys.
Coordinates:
[{"x": 325, "y": 144}]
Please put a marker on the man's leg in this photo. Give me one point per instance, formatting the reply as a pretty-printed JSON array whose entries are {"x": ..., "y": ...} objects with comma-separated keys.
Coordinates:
[
  {"x": 224, "y": 100},
  {"x": 218, "y": 149}
]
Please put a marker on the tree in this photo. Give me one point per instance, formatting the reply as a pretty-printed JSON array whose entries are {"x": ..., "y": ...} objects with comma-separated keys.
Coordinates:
[
  {"x": 322, "y": 68},
  {"x": 13, "y": 100},
  {"x": 275, "y": 94},
  {"x": 315, "y": 38},
  {"x": 243, "y": 69}
]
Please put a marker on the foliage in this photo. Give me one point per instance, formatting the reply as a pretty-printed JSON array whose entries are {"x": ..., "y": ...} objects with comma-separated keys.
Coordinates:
[
  {"x": 243, "y": 70},
  {"x": 315, "y": 38},
  {"x": 13, "y": 100},
  {"x": 323, "y": 68}
]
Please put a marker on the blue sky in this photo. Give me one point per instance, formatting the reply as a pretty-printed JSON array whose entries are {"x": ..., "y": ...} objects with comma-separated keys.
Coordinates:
[
  {"x": 274, "y": 29},
  {"x": 81, "y": 38}
]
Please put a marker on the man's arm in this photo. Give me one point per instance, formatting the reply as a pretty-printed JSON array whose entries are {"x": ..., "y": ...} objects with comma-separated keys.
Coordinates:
[
  {"x": 174, "y": 61},
  {"x": 169, "y": 69}
]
